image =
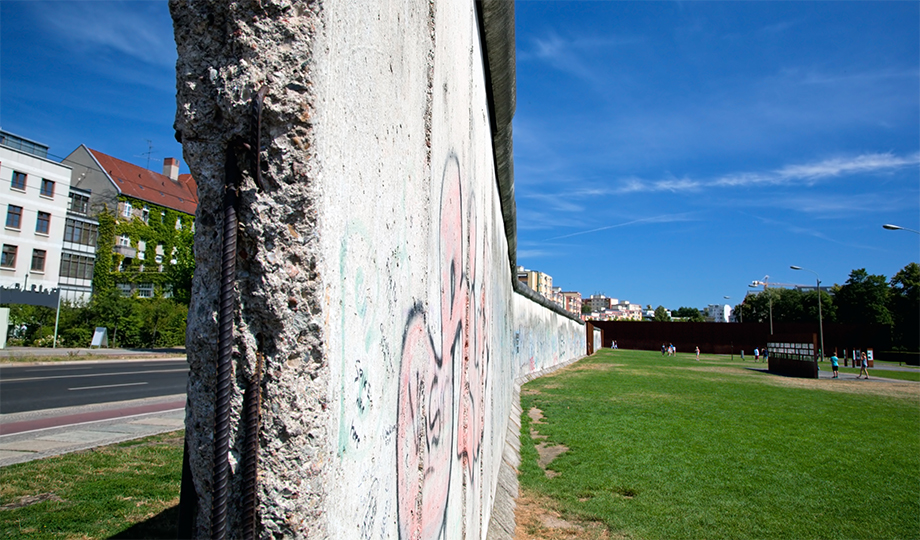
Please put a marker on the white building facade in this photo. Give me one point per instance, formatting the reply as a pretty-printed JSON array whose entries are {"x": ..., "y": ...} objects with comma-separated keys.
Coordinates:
[
  {"x": 719, "y": 312},
  {"x": 34, "y": 191}
]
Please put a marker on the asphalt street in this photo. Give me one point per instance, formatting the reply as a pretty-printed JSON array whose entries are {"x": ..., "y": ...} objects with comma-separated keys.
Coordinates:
[{"x": 52, "y": 386}]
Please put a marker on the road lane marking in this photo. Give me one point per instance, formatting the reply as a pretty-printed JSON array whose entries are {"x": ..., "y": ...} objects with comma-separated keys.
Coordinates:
[
  {"x": 46, "y": 369},
  {"x": 25, "y": 379},
  {"x": 108, "y": 386}
]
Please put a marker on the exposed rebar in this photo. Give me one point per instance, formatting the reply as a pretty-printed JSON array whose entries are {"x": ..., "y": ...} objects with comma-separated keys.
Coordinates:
[
  {"x": 225, "y": 348},
  {"x": 253, "y": 400}
]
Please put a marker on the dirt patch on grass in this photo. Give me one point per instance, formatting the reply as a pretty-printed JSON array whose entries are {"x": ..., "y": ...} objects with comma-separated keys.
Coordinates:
[
  {"x": 592, "y": 367},
  {"x": 547, "y": 453},
  {"x": 29, "y": 500},
  {"x": 851, "y": 386},
  {"x": 537, "y": 519}
]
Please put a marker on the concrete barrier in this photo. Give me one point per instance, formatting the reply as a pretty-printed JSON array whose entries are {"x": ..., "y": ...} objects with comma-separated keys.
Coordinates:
[{"x": 374, "y": 274}]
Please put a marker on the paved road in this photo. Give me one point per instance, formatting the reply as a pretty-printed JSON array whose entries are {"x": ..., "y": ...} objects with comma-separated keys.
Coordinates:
[{"x": 34, "y": 387}]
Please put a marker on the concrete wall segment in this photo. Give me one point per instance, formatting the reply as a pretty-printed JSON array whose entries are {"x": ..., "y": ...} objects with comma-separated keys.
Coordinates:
[
  {"x": 372, "y": 270},
  {"x": 226, "y": 52}
]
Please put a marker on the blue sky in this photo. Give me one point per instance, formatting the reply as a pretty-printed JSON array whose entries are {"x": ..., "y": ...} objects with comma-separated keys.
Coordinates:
[
  {"x": 672, "y": 152},
  {"x": 665, "y": 152}
]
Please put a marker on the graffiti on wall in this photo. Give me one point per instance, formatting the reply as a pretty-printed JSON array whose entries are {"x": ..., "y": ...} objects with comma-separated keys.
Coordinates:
[{"x": 437, "y": 430}]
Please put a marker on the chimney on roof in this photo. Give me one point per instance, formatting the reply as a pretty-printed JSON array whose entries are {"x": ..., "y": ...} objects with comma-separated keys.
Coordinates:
[{"x": 171, "y": 168}]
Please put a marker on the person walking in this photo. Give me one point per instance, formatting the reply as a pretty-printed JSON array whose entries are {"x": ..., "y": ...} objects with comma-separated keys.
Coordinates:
[
  {"x": 834, "y": 366},
  {"x": 697, "y": 353},
  {"x": 756, "y": 354},
  {"x": 864, "y": 367}
]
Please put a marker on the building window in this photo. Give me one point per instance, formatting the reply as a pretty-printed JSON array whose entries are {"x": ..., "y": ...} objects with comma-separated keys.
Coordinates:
[
  {"x": 123, "y": 240},
  {"x": 43, "y": 223},
  {"x": 145, "y": 214},
  {"x": 76, "y": 266},
  {"x": 126, "y": 210},
  {"x": 145, "y": 290},
  {"x": 158, "y": 258},
  {"x": 178, "y": 224},
  {"x": 13, "y": 216},
  {"x": 125, "y": 289},
  {"x": 19, "y": 181},
  {"x": 80, "y": 232},
  {"x": 38, "y": 260},
  {"x": 79, "y": 204},
  {"x": 47, "y": 189},
  {"x": 8, "y": 258}
]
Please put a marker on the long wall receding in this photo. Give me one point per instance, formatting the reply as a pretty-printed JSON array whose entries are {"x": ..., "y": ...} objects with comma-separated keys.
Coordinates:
[{"x": 374, "y": 266}]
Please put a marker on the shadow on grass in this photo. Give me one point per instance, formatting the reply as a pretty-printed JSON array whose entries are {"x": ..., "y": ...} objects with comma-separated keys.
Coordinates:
[{"x": 162, "y": 525}]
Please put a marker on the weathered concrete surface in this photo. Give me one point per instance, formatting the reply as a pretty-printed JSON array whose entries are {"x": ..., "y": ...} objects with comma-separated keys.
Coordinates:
[{"x": 373, "y": 271}]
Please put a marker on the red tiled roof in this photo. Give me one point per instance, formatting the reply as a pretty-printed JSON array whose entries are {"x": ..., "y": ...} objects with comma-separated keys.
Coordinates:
[{"x": 149, "y": 186}]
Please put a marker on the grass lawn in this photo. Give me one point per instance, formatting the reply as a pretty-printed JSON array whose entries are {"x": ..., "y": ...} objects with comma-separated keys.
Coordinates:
[
  {"x": 670, "y": 448},
  {"x": 95, "y": 493}
]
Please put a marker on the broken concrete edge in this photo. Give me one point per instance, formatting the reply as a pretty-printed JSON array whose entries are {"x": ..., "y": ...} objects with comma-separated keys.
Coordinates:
[{"x": 502, "y": 522}]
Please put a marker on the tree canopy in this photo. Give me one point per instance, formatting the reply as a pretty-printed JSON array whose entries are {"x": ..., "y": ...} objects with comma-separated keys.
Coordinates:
[{"x": 661, "y": 315}]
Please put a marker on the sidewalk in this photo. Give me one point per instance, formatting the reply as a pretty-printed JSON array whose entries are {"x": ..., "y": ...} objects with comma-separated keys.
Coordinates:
[
  {"x": 37, "y": 354},
  {"x": 40, "y": 434}
]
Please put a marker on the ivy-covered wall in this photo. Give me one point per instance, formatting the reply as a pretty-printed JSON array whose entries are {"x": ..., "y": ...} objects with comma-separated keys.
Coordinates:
[{"x": 160, "y": 229}]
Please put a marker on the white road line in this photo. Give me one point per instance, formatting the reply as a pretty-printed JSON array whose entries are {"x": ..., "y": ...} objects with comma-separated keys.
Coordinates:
[
  {"x": 24, "y": 379},
  {"x": 108, "y": 386}
]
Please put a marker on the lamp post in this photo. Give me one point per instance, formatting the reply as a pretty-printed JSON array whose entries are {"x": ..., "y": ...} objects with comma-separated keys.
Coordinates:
[
  {"x": 818, "y": 288},
  {"x": 891, "y": 227},
  {"x": 756, "y": 284}
]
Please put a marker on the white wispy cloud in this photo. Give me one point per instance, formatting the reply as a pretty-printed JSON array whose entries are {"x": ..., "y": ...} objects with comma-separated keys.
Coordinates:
[
  {"x": 800, "y": 174},
  {"x": 123, "y": 26},
  {"x": 663, "y": 218},
  {"x": 580, "y": 56}
]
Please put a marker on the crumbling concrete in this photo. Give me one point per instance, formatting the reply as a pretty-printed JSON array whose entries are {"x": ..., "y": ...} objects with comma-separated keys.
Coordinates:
[{"x": 373, "y": 268}]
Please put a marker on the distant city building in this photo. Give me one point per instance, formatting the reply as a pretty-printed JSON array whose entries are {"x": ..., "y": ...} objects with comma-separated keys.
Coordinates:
[
  {"x": 34, "y": 193},
  {"x": 538, "y": 281},
  {"x": 719, "y": 313},
  {"x": 572, "y": 302},
  {"x": 556, "y": 297},
  {"x": 599, "y": 302},
  {"x": 625, "y": 311}
]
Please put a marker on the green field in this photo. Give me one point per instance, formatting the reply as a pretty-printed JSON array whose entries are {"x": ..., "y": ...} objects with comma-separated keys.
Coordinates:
[
  {"x": 95, "y": 493},
  {"x": 672, "y": 448}
]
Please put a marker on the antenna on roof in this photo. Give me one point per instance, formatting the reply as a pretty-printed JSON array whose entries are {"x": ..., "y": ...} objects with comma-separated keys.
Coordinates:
[{"x": 148, "y": 153}]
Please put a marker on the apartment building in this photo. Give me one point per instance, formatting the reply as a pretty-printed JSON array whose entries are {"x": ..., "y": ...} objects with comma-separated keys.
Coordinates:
[
  {"x": 538, "y": 281},
  {"x": 572, "y": 302},
  {"x": 35, "y": 199},
  {"x": 78, "y": 253},
  {"x": 719, "y": 313},
  {"x": 153, "y": 217},
  {"x": 599, "y": 302}
]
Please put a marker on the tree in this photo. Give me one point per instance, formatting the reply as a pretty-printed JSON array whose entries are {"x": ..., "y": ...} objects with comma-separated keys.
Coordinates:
[
  {"x": 691, "y": 314},
  {"x": 904, "y": 305},
  {"x": 863, "y": 299},
  {"x": 661, "y": 315}
]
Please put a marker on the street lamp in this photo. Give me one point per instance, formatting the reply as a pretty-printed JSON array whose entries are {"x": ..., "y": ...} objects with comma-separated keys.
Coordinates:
[
  {"x": 769, "y": 297},
  {"x": 891, "y": 227},
  {"x": 818, "y": 288}
]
